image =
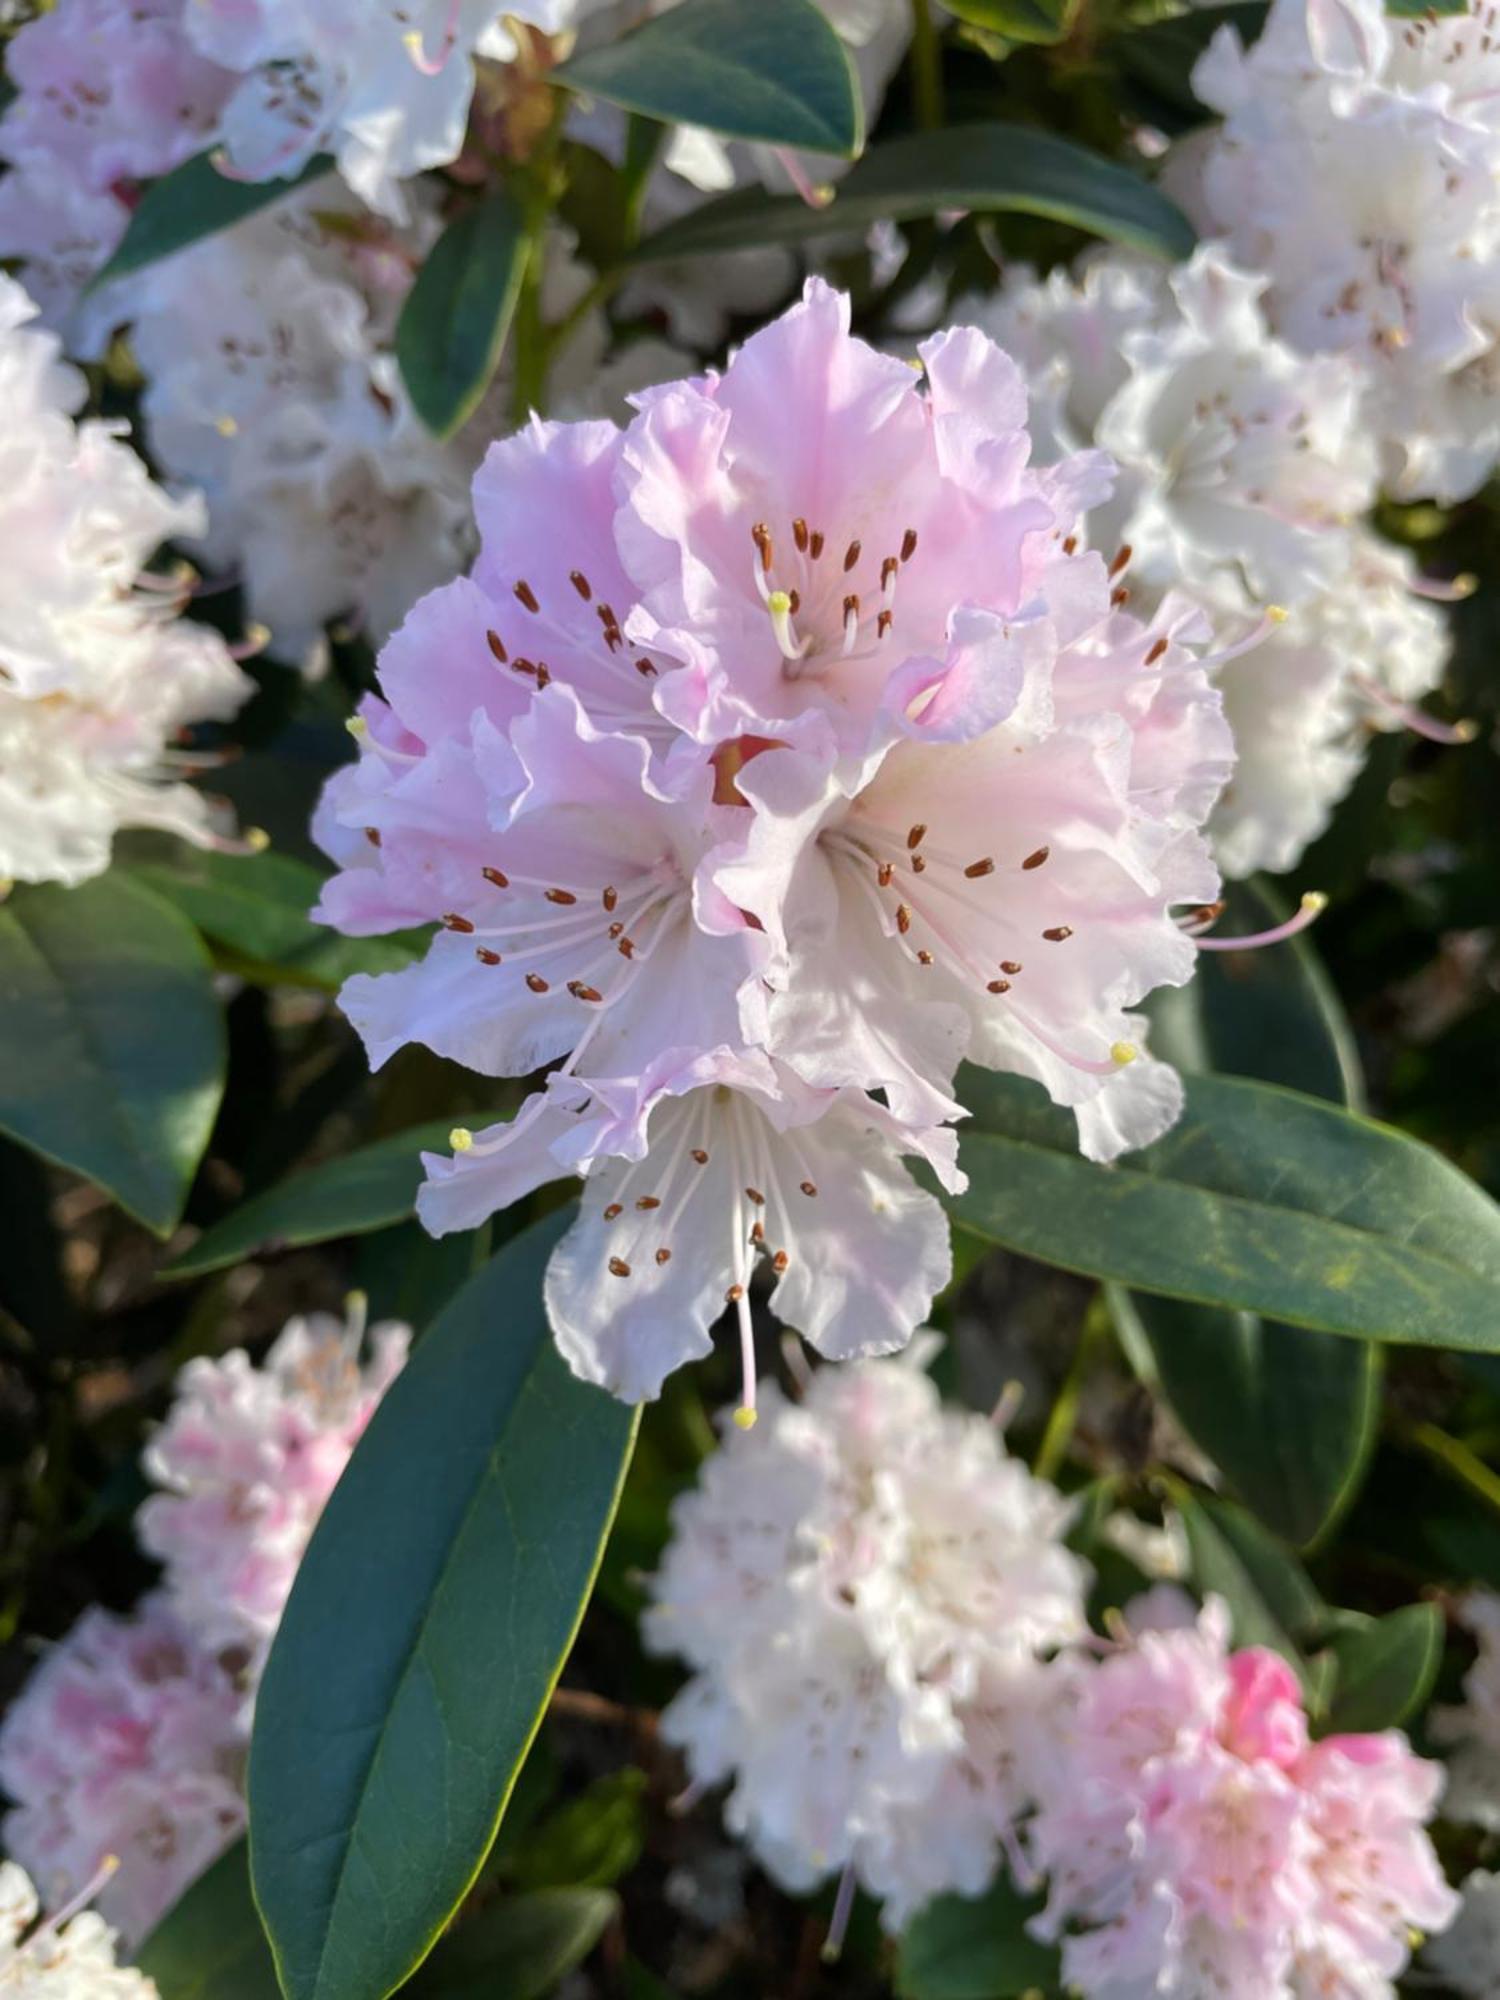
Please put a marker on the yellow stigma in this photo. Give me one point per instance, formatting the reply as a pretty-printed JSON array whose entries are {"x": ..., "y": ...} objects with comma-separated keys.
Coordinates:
[
  {"x": 413, "y": 42},
  {"x": 1314, "y": 903},
  {"x": 257, "y": 839},
  {"x": 226, "y": 426},
  {"x": 357, "y": 726},
  {"x": 778, "y": 603},
  {"x": 1123, "y": 1052},
  {"x": 1277, "y": 613},
  {"x": 1466, "y": 731},
  {"x": 460, "y": 1138},
  {"x": 744, "y": 1416},
  {"x": 1465, "y": 584}
]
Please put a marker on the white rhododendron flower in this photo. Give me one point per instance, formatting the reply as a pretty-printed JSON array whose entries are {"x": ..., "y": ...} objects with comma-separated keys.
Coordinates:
[
  {"x": 98, "y": 673},
  {"x": 66, "y": 1956},
  {"x": 1356, "y": 168},
  {"x": 866, "y": 1588}
]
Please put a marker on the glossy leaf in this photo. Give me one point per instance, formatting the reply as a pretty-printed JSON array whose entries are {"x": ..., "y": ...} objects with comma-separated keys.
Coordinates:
[
  {"x": 1019, "y": 20},
  {"x": 517, "y": 1948},
  {"x": 1386, "y": 1668},
  {"x": 362, "y": 1190},
  {"x": 774, "y": 71},
  {"x": 195, "y": 200},
  {"x": 111, "y": 1040},
  {"x": 1270, "y": 1597},
  {"x": 430, "y": 1618},
  {"x": 211, "y": 1944},
  {"x": 975, "y": 1948},
  {"x": 1258, "y": 1198},
  {"x": 456, "y": 317},
  {"x": 984, "y": 167},
  {"x": 1161, "y": 54}
]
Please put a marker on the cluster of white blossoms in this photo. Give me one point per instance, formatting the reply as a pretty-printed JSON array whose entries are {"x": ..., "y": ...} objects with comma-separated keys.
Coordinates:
[
  {"x": 866, "y": 1587},
  {"x": 1356, "y": 168},
  {"x": 129, "y": 1739},
  {"x": 1246, "y": 473},
  {"x": 68, "y": 1956},
  {"x": 783, "y": 748},
  {"x": 99, "y": 674}
]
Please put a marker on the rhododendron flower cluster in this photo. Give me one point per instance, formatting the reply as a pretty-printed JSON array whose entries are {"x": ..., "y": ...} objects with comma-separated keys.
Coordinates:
[
  {"x": 866, "y": 1587},
  {"x": 1355, "y": 167},
  {"x": 1246, "y": 471},
  {"x": 67, "y": 1956},
  {"x": 1197, "y": 1841},
  {"x": 130, "y": 1738},
  {"x": 783, "y": 748},
  {"x": 98, "y": 673}
]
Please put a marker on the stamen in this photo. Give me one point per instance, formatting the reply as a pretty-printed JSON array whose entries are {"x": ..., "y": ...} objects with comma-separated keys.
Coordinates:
[
  {"x": 647, "y": 1201},
  {"x": 998, "y": 986},
  {"x": 851, "y": 625},
  {"x": 537, "y": 984},
  {"x": 809, "y": 1188},
  {"x": 1036, "y": 860},
  {"x": 884, "y": 623},
  {"x": 884, "y": 874},
  {"x": 497, "y": 647},
  {"x": 564, "y": 896},
  {"x": 744, "y": 1416},
  {"x": 908, "y": 545},
  {"x": 779, "y": 604},
  {"x": 487, "y": 957},
  {"x": 1059, "y": 934},
  {"x": 760, "y": 534},
  {"x": 903, "y": 919},
  {"x": 581, "y": 584},
  {"x": 581, "y": 992},
  {"x": 851, "y": 556},
  {"x": 700, "y": 1156},
  {"x": 799, "y": 535},
  {"x": 975, "y": 869},
  {"x": 1450, "y": 734},
  {"x": 1312, "y": 906},
  {"x": 615, "y": 1210},
  {"x": 455, "y": 922},
  {"x": 1451, "y": 590},
  {"x": 496, "y": 875},
  {"x": 1070, "y": 546},
  {"x": 1010, "y": 965},
  {"x": 527, "y": 595},
  {"x": 838, "y": 1923},
  {"x": 815, "y": 544},
  {"x": 1122, "y": 559},
  {"x": 755, "y": 1195},
  {"x": 618, "y": 1268},
  {"x": 1156, "y": 652},
  {"x": 664, "y": 1255}
]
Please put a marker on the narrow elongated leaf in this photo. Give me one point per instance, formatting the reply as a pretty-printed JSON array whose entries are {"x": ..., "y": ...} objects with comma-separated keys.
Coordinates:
[
  {"x": 193, "y": 201},
  {"x": 211, "y": 1945},
  {"x": 1386, "y": 1668},
  {"x": 453, "y": 325},
  {"x": 518, "y": 1948},
  {"x": 984, "y": 168},
  {"x": 975, "y": 1948},
  {"x": 1258, "y": 1198},
  {"x": 431, "y": 1616},
  {"x": 360, "y": 1191},
  {"x": 111, "y": 1040},
  {"x": 775, "y": 71}
]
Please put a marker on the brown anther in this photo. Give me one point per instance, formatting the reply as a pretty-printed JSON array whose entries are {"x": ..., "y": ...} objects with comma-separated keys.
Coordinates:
[
  {"x": 1207, "y": 913},
  {"x": 496, "y": 875},
  {"x": 1156, "y": 652},
  {"x": 779, "y": 1262},
  {"x": 815, "y": 543},
  {"x": 614, "y": 1210},
  {"x": 998, "y": 986},
  {"x": 760, "y": 534},
  {"x": 1122, "y": 559},
  {"x": 625, "y": 947},
  {"x": 543, "y": 674},
  {"x": 888, "y": 571},
  {"x": 564, "y": 896},
  {"x": 581, "y": 992},
  {"x": 497, "y": 646},
  {"x": 1058, "y": 934},
  {"x": 1070, "y": 546},
  {"x": 527, "y": 595},
  {"x": 372, "y": 834},
  {"x": 851, "y": 608},
  {"x": 984, "y": 866},
  {"x": 647, "y": 1201},
  {"x": 457, "y": 923},
  {"x": 809, "y": 1187},
  {"x": 1010, "y": 965},
  {"x": 908, "y": 545},
  {"x": 609, "y": 898},
  {"x": 755, "y": 1195},
  {"x": 851, "y": 556},
  {"x": 646, "y": 668},
  {"x": 614, "y": 638},
  {"x": 521, "y": 665},
  {"x": 664, "y": 1255},
  {"x": 733, "y": 1296},
  {"x": 580, "y": 583},
  {"x": 918, "y": 864},
  {"x": 799, "y": 535},
  {"x": 884, "y": 873},
  {"x": 1119, "y": 598},
  {"x": 1036, "y": 860},
  {"x": 700, "y": 1156},
  {"x": 616, "y": 929},
  {"x": 618, "y": 1268},
  {"x": 536, "y": 982},
  {"x": 924, "y": 958},
  {"x": 884, "y": 623},
  {"x": 486, "y": 956},
  {"x": 916, "y": 834},
  {"x": 794, "y": 601},
  {"x": 606, "y": 616},
  {"x": 758, "y": 1234},
  {"x": 903, "y": 919}
]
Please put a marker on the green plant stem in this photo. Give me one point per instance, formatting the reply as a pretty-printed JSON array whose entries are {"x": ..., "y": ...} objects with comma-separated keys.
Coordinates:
[
  {"x": 926, "y": 67},
  {"x": 1457, "y": 1460},
  {"x": 1056, "y": 1438}
]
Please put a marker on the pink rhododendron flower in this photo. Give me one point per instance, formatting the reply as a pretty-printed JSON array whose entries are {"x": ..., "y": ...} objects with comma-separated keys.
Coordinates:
[
  {"x": 782, "y": 748},
  {"x": 127, "y": 1740},
  {"x": 1196, "y": 1841},
  {"x": 245, "y": 1462}
]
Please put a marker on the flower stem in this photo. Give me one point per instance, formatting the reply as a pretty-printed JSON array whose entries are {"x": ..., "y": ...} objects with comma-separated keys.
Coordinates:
[
  {"x": 1457, "y": 1459},
  {"x": 1053, "y": 1448},
  {"x": 926, "y": 67}
]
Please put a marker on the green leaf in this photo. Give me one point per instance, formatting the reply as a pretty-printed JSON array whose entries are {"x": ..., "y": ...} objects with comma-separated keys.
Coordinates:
[
  {"x": 774, "y": 71},
  {"x": 453, "y": 326},
  {"x": 360, "y": 1191},
  {"x": 1258, "y": 1198},
  {"x": 211, "y": 1945},
  {"x": 257, "y": 906},
  {"x": 193, "y": 201},
  {"x": 984, "y": 168},
  {"x": 975, "y": 1948},
  {"x": 1270, "y": 1597},
  {"x": 1019, "y": 20},
  {"x": 1386, "y": 1668},
  {"x": 429, "y": 1621},
  {"x": 590, "y": 1842},
  {"x": 1162, "y": 54},
  {"x": 518, "y": 1948},
  {"x": 111, "y": 1040}
]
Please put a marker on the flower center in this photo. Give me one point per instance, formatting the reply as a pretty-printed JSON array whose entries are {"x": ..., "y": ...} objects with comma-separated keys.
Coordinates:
[{"x": 826, "y": 606}]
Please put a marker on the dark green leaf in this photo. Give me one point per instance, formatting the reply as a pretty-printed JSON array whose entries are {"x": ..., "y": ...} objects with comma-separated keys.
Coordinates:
[
  {"x": 430, "y": 1618},
  {"x": 774, "y": 71},
  {"x": 210, "y": 1945},
  {"x": 111, "y": 1039},
  {"x": 193, "y": 201},
  {"x": 974, "y": 1948},
  {"x": 517, "y": 1948},
  {"x": 984, "y": 168},
  {"x": 453, "y": 325},
  {"x": 592, "y": 1841},
  {"x": 1386, "y": 1668},
  {"x": 1258, "y": 1198},
  {"x": 1270, "y": 1597},
  {"x": 1161, "y": 55},
  {"x": 1019, "y": 20},
  {"x": 360, "y": 1191}
]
